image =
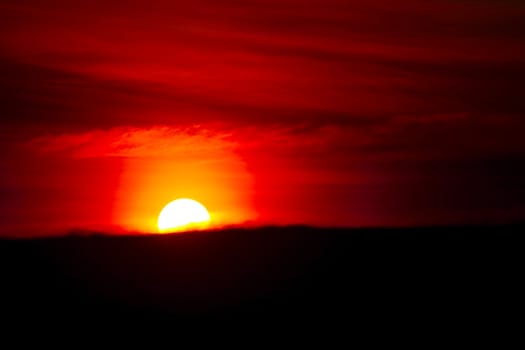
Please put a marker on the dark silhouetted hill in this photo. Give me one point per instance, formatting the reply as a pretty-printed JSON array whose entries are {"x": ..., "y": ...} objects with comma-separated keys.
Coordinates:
[{"x": 290, "y": 273}]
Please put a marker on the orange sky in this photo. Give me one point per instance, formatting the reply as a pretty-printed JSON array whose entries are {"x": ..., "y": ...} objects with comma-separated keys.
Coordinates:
[{"x": 329, "y": 113}]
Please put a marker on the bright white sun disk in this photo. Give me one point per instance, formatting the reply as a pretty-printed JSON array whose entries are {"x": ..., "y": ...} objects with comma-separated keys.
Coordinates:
[{"x": 183, "y": 214}]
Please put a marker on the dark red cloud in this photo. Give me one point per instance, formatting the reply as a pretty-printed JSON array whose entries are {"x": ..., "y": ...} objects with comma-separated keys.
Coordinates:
[{"x": 288, "y": 60}]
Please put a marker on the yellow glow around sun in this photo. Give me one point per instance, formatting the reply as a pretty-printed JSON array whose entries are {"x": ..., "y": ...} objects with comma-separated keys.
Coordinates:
[{"x": 183, "y": 215}]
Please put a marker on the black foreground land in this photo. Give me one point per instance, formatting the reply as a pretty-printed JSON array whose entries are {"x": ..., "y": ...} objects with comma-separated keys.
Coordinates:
[{"x": 270, "y": 273}]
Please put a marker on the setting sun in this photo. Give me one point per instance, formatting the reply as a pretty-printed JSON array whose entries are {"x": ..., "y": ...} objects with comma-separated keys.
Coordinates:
[{"x": 183, "y": 214}]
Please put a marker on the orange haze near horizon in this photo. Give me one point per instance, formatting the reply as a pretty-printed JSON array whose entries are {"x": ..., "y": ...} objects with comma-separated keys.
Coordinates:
[{"x": 222, "y": 185}]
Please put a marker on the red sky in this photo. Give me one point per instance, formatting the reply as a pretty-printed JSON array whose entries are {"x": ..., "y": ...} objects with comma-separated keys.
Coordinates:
[{"x": 332, "y": 113}]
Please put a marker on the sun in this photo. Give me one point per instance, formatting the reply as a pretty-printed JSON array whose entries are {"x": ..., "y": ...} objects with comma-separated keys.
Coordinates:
[{"x": 183, "y": 214}]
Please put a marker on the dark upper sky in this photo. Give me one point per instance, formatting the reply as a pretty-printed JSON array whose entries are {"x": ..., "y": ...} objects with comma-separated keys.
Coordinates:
[{"x": 332, "y": 112}]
